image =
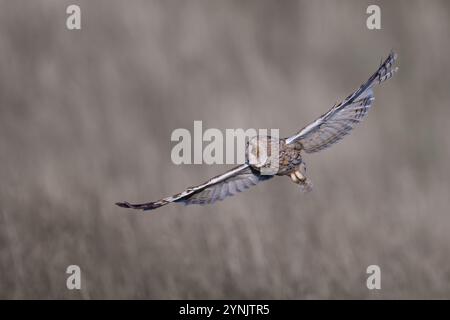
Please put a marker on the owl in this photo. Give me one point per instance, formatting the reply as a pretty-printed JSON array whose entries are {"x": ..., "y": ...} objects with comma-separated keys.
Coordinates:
[{"x": 318, "y": 135}]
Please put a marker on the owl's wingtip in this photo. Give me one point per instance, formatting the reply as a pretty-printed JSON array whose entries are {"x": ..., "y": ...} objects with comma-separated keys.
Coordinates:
[
  {"x": 142, "y": 206},
  {"x": 124, "y": 204}
]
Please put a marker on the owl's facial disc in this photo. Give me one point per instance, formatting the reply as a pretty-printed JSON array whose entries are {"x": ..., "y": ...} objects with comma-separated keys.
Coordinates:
[{"x": 257, "y": 152}]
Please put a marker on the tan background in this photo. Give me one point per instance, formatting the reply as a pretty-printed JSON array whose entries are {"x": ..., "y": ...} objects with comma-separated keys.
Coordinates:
[{"x": 86, "y": 118}]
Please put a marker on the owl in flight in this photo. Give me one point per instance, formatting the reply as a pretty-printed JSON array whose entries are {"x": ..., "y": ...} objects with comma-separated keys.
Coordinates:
[{"x": 320, "y": 134}]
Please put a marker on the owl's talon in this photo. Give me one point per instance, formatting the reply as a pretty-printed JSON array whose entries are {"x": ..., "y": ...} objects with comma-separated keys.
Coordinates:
[
  {"x": 300, "y": 176},
  {"x": 294, "y": 178},
  {"x": 306, "y": 186}
]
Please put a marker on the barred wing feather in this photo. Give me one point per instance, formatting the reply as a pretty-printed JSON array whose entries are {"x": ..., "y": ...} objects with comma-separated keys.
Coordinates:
[
  {"x": 343, "y": 117},
  {"x": 220, "y": 187}
]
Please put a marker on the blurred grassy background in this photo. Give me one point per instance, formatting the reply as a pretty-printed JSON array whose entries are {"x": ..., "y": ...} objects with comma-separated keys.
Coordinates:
[{"x": 86, "y": 118}]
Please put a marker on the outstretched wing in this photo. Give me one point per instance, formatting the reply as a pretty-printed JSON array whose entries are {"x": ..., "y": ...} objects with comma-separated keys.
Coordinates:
[
  {"x": 342, "y": 118},
  {"x": 218, "y": 188}
]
